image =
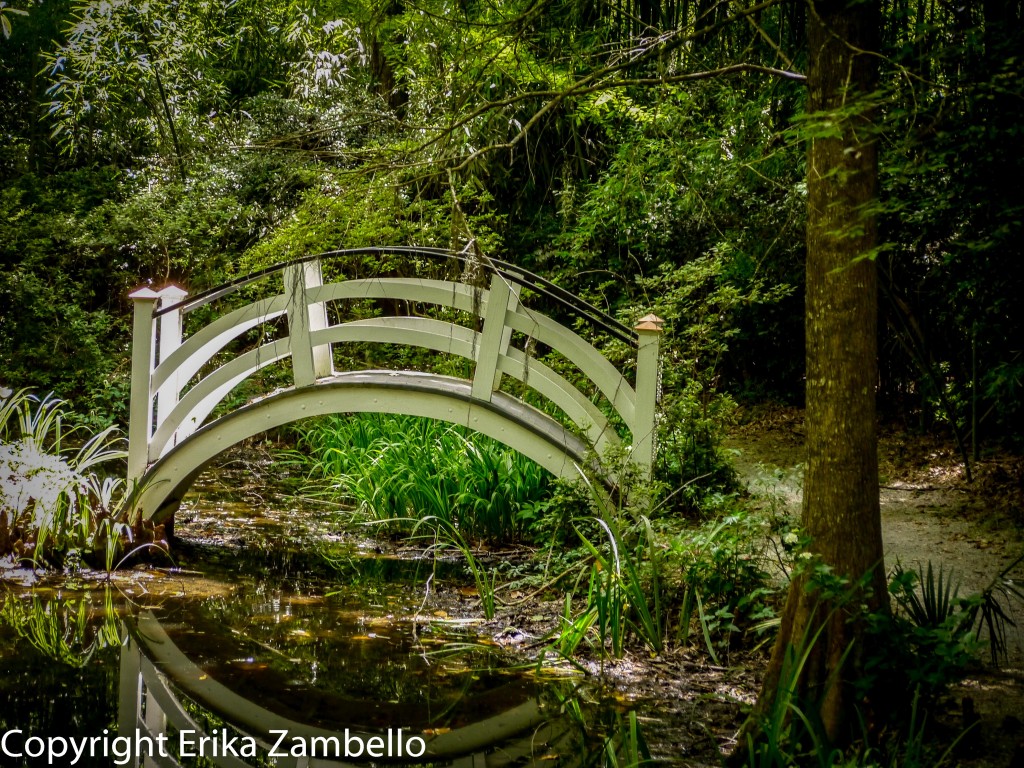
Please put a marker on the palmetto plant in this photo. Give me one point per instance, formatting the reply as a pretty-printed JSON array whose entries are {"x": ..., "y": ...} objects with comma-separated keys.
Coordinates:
[
  {"x": 54, "y": 499},
  {"x": 931, "y": 599},
  {"x": 937, "y": 600}
]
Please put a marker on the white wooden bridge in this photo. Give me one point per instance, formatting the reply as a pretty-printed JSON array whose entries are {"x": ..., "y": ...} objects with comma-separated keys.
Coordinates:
[{"x": 186, "y": 364}]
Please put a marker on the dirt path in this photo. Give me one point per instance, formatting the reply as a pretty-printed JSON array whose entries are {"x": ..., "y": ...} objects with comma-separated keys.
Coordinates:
[{"x": 929, "y": 513}]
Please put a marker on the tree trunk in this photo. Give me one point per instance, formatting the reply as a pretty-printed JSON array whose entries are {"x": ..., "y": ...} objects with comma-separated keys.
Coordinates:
[{"x": 840, "y": 507}]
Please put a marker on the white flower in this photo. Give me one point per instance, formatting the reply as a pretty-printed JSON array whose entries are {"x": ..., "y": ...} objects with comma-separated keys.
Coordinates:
[{"x": 790, "y": 538}]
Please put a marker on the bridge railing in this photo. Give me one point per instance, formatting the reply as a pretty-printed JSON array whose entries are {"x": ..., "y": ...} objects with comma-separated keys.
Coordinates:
[{"x": 178, "y": 381}]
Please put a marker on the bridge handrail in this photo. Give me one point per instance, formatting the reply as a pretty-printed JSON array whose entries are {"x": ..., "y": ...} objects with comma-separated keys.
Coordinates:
[
  {"x": 515, "y": 274},
  {"x": 212, "y": 338},
  {"x": 196, "y": 404}
]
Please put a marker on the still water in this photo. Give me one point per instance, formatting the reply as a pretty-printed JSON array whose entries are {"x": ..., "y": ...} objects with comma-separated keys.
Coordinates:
[{"x": 263, "y": 646}]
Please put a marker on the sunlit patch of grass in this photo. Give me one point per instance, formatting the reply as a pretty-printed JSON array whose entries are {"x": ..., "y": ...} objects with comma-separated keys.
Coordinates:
[{"x": 400, "y": 468}]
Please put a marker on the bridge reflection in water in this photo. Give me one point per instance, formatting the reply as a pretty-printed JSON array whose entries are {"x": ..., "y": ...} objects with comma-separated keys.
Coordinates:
[{"x": 174, "y": 710}]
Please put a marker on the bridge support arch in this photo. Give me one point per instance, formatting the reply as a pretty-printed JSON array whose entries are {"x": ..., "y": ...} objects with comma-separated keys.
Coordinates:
[{"x": 504, "y": 418}]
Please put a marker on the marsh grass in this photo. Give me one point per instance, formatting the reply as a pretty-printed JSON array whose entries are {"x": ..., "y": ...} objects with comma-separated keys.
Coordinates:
[
  {"x": 623, "y": 744},
  {"x": 443, "y": 536},
  {"x": 624, "y": 597},
  {"x": 401, "y": 468}
]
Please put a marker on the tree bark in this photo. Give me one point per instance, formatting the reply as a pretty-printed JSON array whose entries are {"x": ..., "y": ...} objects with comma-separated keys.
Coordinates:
[{"x": 840, "y": 507}]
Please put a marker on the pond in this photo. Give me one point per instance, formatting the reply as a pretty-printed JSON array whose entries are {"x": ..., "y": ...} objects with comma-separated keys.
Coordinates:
[{"x": 274, "y": 640}]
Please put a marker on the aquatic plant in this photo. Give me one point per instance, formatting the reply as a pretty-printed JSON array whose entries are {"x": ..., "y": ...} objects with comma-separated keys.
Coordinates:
[
  {"x": 655, "y": 580},
  {"x": 620, "y": 598},
  {"x": 400, "y": 468},
  {"x": 54, "y": 500},
  {"x": 445, "y": 535},
  {"x": 623, "y": 744}
]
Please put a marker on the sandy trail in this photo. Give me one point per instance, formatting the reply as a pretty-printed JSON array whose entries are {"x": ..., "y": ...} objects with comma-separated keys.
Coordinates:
[
  {"x": 928, "y": 514},
  {"x": 924, "y": 518}
]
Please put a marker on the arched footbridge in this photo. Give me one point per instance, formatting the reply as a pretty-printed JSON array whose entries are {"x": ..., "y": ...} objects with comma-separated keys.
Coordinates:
[{"x": 198, "y": 362}]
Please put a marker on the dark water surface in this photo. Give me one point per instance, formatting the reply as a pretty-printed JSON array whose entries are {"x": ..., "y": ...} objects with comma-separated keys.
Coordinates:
[{"x": 331, "y": 636}]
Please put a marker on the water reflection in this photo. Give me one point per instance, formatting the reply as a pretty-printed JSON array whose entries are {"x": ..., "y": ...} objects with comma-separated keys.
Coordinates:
[
  {"x": 279, "y": 620},
  {"x": 497, "y": 725},
  {"x": 69, "y": 631},
  {"x": 362, "y": 670}
]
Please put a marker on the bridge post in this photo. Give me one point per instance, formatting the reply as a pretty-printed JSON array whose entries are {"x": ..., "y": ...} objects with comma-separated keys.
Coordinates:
[
  {"x": 308, "y": 363},
  {"x": 647, "y": 375},
  {"x": 495, "y": 337},
  {"x": 140, "y": 415},
  {"x": 170, "y": 340}
]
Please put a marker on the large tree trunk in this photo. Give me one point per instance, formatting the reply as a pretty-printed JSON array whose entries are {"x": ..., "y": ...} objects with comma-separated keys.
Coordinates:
[{"x": 840, "y": 508}]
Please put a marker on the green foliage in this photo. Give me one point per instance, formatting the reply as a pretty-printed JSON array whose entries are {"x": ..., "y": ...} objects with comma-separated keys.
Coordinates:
[
  {"x": 5, "y": 21},
  {"x": 624, "y": 743},
  {"x": 126, "y": 72},
  {"x": 949, "y": 626},
  {"x": 723, "y": 583},
  {"x": 55, "y": 505},
  {"x": 239, "y": 134},
  {"x": 992, "y": 615},
  {"x": 59, "y": 330},
  {"x": 909, "y": 662},
  {"x": 401, "y": 468},
  {"x": 936, "y": 603},
  {"x": 698, "y": 217},
  {"x": 624, "y": 594},
  {"x": 657, "y": 585},
  {"x": 785, "y": 736},
  {"x": 926, "y": 644},
  {"x": 952, "y": 212},
  {"x": 445, "y": 534}
]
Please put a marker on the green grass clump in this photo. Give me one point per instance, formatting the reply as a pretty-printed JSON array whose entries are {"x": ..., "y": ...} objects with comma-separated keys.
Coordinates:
[{"x": 400, "y": 468}]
